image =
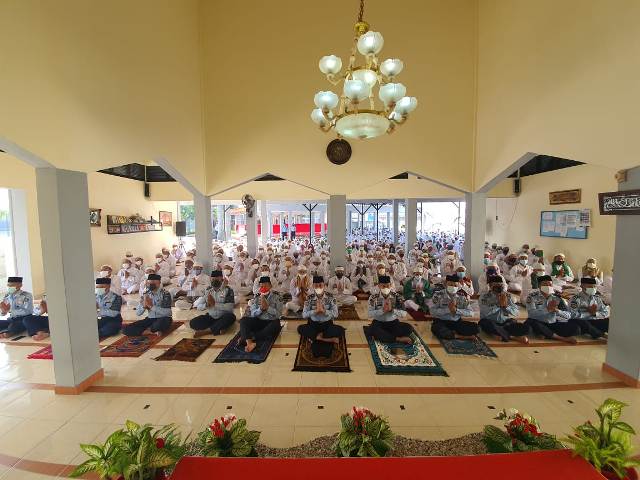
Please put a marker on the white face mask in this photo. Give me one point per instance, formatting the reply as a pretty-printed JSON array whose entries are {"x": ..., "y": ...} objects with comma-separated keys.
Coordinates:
[
  {"x": 226, "y": 273},
  {"x": 139, "y": 262},
  {"x": 451, "y": 257},
  {"x": 11, "y": 290},
  {"x": 548, "y": 289},
  {"x": 125, "y": 266},
  {"x": 452, "y": 290},
  {"x": 104, "y": 273},
  {"x": 385, "y": 291},
  {"x": 100, "y": 291},
  {"x": 590, "y": 291},
  {"x": 381, "y": 271},
  {"x": 159, "y": 261},
  {"x": 522, "y": 262},
  {"x": 166, "y": 255},
  {"x": 591, "y": 265},
  {"x": 391, "y": 262},
  {"x": 302, "y": 274},
  {"x": 319, "y": 291}
]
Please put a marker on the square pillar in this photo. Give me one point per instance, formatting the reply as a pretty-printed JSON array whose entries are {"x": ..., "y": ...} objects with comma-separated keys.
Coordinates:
[
  {"x": 252, "y": 234},
  {"x": 63, "y": 203},
  {"x": 264, "y": 227},
  {"x": 222, "y": 222},
  {"x": 474, "y": 235},
  {"x": 396, "y": 221},
  {"x": 312, "y": 223},
  {"x": 20, "y": 235},
  {"x": 623, "y": 354},
  {"x": 337, "y": 216},
  {"x": 204, "y": 230},
  {"x": 411, "y": 221}
]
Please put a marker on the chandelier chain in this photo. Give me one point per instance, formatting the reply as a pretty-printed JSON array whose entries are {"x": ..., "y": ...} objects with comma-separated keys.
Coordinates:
[{"x": 361, "y": 12}]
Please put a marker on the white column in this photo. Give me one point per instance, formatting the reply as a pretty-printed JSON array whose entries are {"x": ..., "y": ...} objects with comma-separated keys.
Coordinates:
[
  {"x": 252, "y": 234},
  {"x": 396, "y": 220},
  {"x": 204, "y": 230},
  {"x": 474, "y": 235},
  {"x": 290, "y": 221},
  {"x": 222, "y": 222},
  {"x": 20, "y": 238},
  {"x": 63, "y": 203},
  {"x": 349, "y": 219},
  {"x": 623, "y": 355},
  {"x": 337, "y": 216},
  {"x": 410, "y": 220},
  {"x": 264, "y": 228},
  {"x": 312, "y": 225}
]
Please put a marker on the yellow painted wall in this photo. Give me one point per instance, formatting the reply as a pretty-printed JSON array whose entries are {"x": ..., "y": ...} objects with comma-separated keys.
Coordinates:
[
  {"x": 89, "y": 85},
  {"x": 169, "y": 191},
  {"x": 519, "y": 218},
  {"x": 557, "y": 78},
  {"x": 261, "y": 73}
]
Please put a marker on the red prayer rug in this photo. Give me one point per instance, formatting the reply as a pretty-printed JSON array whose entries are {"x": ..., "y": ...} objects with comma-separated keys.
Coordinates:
[
  {"x": 136, "y": 346},
  {"x": 45, "y": 353}
]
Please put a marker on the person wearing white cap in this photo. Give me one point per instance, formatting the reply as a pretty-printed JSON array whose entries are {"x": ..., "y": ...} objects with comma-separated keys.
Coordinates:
[
  {"x": 397, "y": 271},
  {"x": 178, "y": 252},
  {"x": 162, "y": 268},
  {"x": 450, "y": 262},
  {"x": 171, "y": 260},
  {"x": 340, "y": 287},
  {"x": 107, "y": 272},
  {"x": 193, "y": 287},
  {"x": 300, "y": 288},
  {"x": 284, "y": 275},
  {"x": 317, "y": 269},
  {"x": 128, "y": 278},
  {"x": 560, "y": 271},
  {"x": 417, "y": 290},
  {"x": 466, "y": 285},
  {"x": 264, "y": 271},
  {"x": 361, "y": 278},
  {"x": 519, "y": 272}
]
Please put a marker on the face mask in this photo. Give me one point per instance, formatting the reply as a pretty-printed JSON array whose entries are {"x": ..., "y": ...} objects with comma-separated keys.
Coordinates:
[
  {"x": 486, "y": 261},
  {"x": 391, "y": 262},
  {"x": 226, "y": 273},
  {"x": 381, "y": 271},
  {"x": 491, "y": 271},
  {"x": 385, "y": 291},
  {"x": 591, "y": 265},
  {"x": 417, "y": 276},
  {"x": 139, "y": 262},
  {"x": 197, "y": 272},
  {"x": 590, "y": 291},
  {"x": 104, "y": 273},
  {"x": 165, "y": 256},
  {"x": 450, "y": 257},
  {"x": 158, "y": 261},
  {"x": 264, "y": 290},
  {"x": 125, "y": 266},
  {"x": 100, "y": 291},
  {"x": 302, "y": 274},
  {"x": 318, "y": 291},
  {"x": 451, "y": 289},
  {"x": 460, "y": 274},
  {"x": 217, "y": 283},
  {"x": 12, "y": 290},
  {"x": 546, "y": 289},
  {"x": 537, "y": 273}
]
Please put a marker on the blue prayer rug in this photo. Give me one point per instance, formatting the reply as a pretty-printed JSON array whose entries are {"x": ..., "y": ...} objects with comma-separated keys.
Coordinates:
[
  {"x": 234, "y": 351},
  {"x": 468, "y": 347},
  {"x": 404, "y": 359}
]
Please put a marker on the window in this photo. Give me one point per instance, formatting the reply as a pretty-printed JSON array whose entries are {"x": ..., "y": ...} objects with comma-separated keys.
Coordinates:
[{"x": 187, "y": 213}]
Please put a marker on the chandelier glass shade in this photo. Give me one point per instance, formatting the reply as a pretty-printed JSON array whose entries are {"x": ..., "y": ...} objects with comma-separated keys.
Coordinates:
[{"x": 357, "y": 111}]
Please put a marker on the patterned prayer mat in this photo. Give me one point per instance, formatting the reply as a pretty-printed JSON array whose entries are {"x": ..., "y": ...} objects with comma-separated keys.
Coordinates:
[
  {"x": 234, "y": 351},
  {"x": 45, "y": 353},
  {"x": 187, "y": 349},
  {"x": 322, "y": 356},
  {"x": 135, "y": 346},
  {"x": 418, "y": 316},
  {"x": 348, "y": 312},
  {"x": 403, "y": 359},
  {"x": 475, "y": 347}
]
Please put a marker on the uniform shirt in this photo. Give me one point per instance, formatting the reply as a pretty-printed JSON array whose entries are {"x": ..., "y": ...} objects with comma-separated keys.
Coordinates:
[
  {"x": 109, "y": 304},
  {"x": 224, "y": 298},
  {"x": 491, "y": 310},
  {"x": 330, "y": 307},
  {"x": 579, "y": 306},
  {"x": 274, "y": 309},
  {"x": 376, "y": 307},
  {"x": 161, "y": 304},
  {"x": 441, "y": 300},
  {"x": 537, "y": 308},
  {"x": 20, "y": 303}
]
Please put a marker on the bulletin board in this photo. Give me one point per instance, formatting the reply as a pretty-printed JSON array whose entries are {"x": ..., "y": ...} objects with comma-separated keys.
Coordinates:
[{"x": 563, "y": 224}]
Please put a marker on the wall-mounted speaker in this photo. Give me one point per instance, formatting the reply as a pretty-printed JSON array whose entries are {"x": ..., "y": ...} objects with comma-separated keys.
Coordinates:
[
  {"x": 147, "y": 190},
  {"x": 517, "y": 186},
  {"x": 181, "y": 229}
]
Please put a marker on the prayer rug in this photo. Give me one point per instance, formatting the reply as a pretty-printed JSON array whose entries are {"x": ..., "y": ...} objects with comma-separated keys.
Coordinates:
[
  {"x": 135, "y": 346},
  {"x": 418, "y": 315},
  {"x": 348, "y": 312},
  {"x": 45, "y": 353},
  {"x": 475, "y": 347},
  {"x": 187, "y": 350},
  {"x": 404, "y": 359},
  {"x": 234, "y": 351},
  {"x": 322, "y": 356},
  {"x": 291, "y": 315}
]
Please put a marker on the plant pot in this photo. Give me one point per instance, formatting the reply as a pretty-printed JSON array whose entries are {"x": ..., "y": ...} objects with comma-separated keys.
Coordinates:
[{"x": 611, "y": 475}]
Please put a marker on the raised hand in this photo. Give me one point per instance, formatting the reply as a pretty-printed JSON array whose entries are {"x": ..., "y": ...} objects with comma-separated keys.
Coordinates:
[
  {"x": 386, "y": 306},
  {"x": 264, "y": 305},
  {"x": 148, "y": 301},
  {"x": 453, "y": 308},
  {"x": 320, "y": 307},
  {"x": 502, "y": 300},
  {"x": 593, "y": 309},
  {"x": 211, "y": 302},
  {"x": 552, "y": 306}
]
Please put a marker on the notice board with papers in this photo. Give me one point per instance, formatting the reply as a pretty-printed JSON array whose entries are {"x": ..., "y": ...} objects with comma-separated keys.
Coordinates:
[{"x": 563, "y": 224}]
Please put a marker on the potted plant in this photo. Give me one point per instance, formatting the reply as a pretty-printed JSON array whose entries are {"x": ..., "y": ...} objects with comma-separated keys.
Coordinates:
[
  {"x": 363, "y": 434},
  {"x": 523, "y": 434},
  {"x": 134, "y": 453},
  {"x": 228, "y": 436},
  {"x": 607, "y": 445}
]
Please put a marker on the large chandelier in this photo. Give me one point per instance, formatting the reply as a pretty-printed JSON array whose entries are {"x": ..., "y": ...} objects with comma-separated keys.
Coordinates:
[{"x": 357, "y": 115}]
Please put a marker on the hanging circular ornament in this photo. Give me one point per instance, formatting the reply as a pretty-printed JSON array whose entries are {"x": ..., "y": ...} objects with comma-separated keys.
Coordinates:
[{"x": 339, "y": 151}]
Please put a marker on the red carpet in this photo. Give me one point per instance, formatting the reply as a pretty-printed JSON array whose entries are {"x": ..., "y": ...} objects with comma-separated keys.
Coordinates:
[{"x": 544, "y": 465}]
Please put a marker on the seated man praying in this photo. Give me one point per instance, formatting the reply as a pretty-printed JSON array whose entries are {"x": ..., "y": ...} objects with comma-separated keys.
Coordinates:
[
  {"x": 498, "y": 312},
  {"x": 320, "y": 310},
  {"x": 385, "y": 309},
  {"x": 218, "y": 300},
  {"x": 340, "y": 287},
  {"x": 108, "y": 305},
  {"x": 262, "y": 319},
  {"x": 449, "y": 306},
  {"x": 18, "y": 304},
  {"x": 549, "y": 313},
  {"x": 156, "y": 302},
  {"x": 416, "y": 291},
  {"x": 589, "y": 311}
]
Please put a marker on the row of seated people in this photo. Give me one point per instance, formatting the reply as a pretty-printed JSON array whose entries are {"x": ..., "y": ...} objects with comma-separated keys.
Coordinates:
[{"x": 549, "y": 314}]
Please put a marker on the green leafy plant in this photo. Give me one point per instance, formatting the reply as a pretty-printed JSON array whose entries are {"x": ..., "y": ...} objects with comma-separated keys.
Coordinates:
[
  {"x": 523, "y": 434},
  {"x": 607, "y": 446},
  {"x": 134, "y": 453},
  {"x": 228, "y": 436},
  {"x": 363, "y": 434}
]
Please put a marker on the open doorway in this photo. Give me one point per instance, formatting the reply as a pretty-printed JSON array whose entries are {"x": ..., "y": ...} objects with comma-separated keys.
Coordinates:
[{"x": 7, "y": 250}]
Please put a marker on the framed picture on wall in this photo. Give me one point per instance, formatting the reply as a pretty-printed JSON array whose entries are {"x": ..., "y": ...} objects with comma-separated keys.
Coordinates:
[
  {"x": 166, "y": 218},
  {"x": 95, "y": 217}
]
